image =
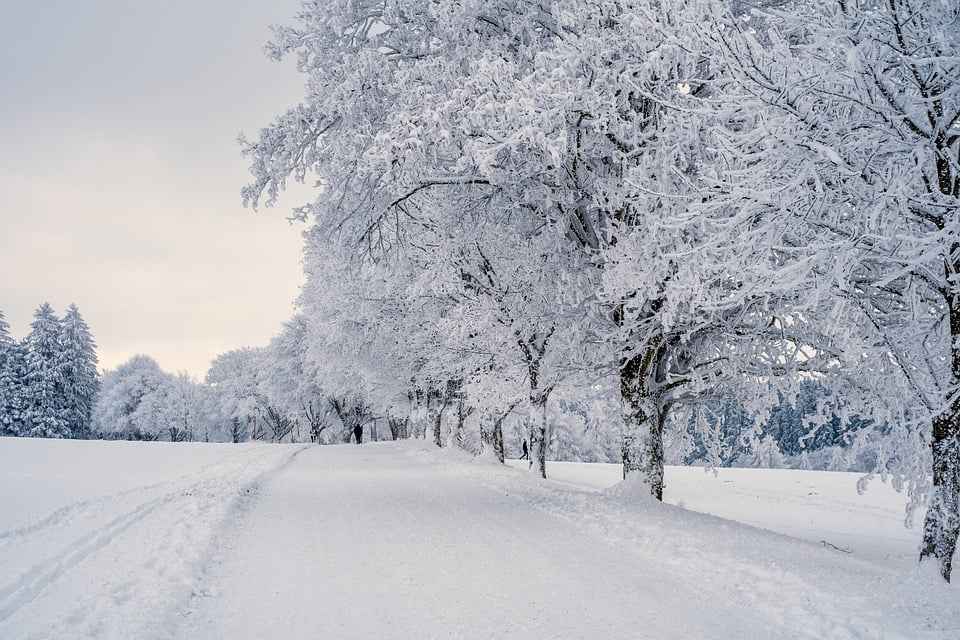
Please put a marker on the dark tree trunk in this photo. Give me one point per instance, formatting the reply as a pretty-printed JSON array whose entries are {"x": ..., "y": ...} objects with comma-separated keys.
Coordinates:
[
  {"x": 941, "y": 528},
  {"x": 255, "y": 428},
  {"x": 644, "y": 419},
  {"x": 463, "y": 411},
  {"x": 530, "y": 435},
  {"x": 491, "y": 434},
  {"x": 237, "y": 432},
  {"x": 426, "y": 422},
  {"x": 437, "y": 424},
  {"x": 398, "y": 427},
  {"x": 497, "y": 438},
  {"x": 486, "y": 433},
  {"x": 538, "y": 436},
  {"x": 533, "y": 350}
]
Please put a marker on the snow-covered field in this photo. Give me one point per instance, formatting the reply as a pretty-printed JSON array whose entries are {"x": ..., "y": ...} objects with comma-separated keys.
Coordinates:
[
  {"x": 105, "y": 539},
  {"x": 398, "y": 540},
  {"x": 819, "y": 506}
]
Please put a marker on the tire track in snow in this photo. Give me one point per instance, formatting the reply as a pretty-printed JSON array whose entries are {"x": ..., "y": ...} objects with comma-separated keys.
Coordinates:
[
  {"x": 65, "y": 514},
  {"x": 22, "y": 591},
  {"x": 204, "y": 487}
]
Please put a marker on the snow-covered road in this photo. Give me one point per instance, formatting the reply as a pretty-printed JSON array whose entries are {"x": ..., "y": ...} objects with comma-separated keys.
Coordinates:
[
  {"x": 364, "y": 543},
  {"x": 398, "y": 541}
]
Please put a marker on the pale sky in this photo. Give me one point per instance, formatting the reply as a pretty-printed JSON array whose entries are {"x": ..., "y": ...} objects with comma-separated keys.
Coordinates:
[{"x": 120, "y": 173}]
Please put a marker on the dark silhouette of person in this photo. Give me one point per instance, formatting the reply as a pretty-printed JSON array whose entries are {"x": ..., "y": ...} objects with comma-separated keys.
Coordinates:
[
  {"x": 526, "y": 452},
  {"x": 358, "y": 433}
]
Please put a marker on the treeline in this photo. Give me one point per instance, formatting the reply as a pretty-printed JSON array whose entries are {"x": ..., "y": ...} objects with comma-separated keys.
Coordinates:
[
  {"x": 49, "y": 379},
  {"x": 50, "y": 387},
  {"x": 140, "y": 401},
  {"x": 236, "y": 403},
  {"x": 619, "y": 214}
]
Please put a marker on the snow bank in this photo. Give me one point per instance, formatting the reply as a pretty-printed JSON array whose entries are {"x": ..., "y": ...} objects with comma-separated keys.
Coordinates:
[
  {"x": 827, "y": 562},
  {"x": 822, "y": 507}
]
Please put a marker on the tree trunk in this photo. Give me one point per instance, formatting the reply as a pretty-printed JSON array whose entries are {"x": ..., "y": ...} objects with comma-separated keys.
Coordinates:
[
  {"x": 437, "y": 423},
  {"x": 491, "y": 432},
  {"x": 497, "y": 437},
  {"x": 538, "y": 437},
  {"x": 486, "y": 433},
  {"x": 653, "y": 456},
  {"x": 456, "y": 435},
  {"x": 941, "y": 528},
  {"x": 642, "y": 447}
]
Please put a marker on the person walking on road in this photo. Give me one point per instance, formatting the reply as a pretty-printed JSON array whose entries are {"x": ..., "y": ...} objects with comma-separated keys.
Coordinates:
[
  {"x": 526, "y": 452},
  {"x": 358, "y": 433}
]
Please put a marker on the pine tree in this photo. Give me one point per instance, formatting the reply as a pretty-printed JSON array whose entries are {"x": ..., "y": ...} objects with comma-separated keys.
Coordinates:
[
  {"x": 5, "y": 339},
  {"x": 6, "y": 346},
  {"x": 78, "y": 366},
  {"x": 12, "y": 390},
  {"x": 45, "y": 412},
  {"x": 11, "y": 365}
]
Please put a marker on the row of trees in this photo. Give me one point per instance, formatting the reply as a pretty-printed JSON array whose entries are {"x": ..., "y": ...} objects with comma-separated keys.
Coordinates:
[
  {"x": 50, "y": 387},
  {"x": 652, "y": 205},
  {"x": 49, "y": 379},
  {"x": 140, "y": 401},
  {"x": 248, "y": 394},
  {"x": 271, "y": 392}
]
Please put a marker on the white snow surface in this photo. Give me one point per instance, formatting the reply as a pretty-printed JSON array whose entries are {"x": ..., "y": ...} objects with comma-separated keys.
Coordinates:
[
  {"x": 106, "y": 539},
  {"x": 818, "y": 506},
  {"x": 400, "y": 540}
]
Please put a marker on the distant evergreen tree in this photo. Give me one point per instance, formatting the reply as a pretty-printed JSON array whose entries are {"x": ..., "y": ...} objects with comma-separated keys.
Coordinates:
[
  {"x": 731, "y": 433},
  {"x": 5, "y": 338},
  {"x": 43, "y": 391},
  {"x": 78, "y": 366},
  {"x": 6, "y": 347},
  {"x": 12, "y": 383},
  {"x": 11, "y": 376},
  {"x": 788, "y": 423},
  {"x": 786, "y": 432}
]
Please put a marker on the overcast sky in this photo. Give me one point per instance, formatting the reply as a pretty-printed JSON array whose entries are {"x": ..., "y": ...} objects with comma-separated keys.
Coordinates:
[{"x": 120, "y": 173}]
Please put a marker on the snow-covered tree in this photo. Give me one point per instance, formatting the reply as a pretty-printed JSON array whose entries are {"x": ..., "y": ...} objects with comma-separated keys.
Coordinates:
[
  {"x": 128, "y": 405},
  {"x": 44, "y": 386},
  {"x": 182, "y": 407},
  {"x": 6, "y": 340},
  {"x": 289, "y": 385},
  {"x": 140, "y": 401},
  {"x": 694, "y": 200},
  {"x": 861, "y": 135},
  {"x": 423, "y": 206},
  {"x": 81, "y": 379},
  {"x": 11, "y": 381},
  {"x": 250, "y": 388},
  {"x": 233, "y": 379}
]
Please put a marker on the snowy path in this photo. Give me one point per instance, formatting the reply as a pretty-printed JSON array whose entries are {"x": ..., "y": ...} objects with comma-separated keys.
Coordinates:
[{"x": 397, "y": 541}]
